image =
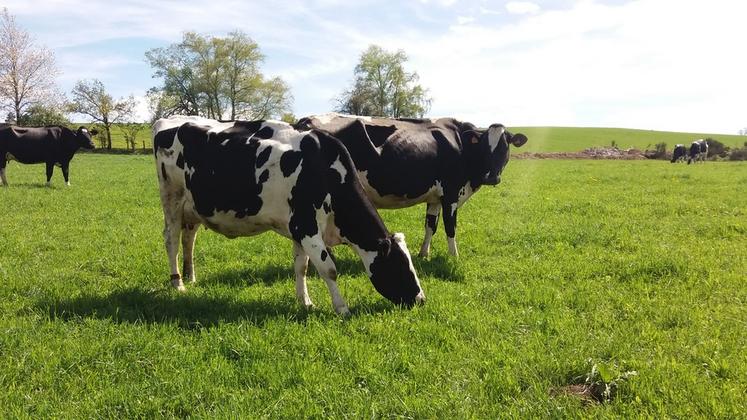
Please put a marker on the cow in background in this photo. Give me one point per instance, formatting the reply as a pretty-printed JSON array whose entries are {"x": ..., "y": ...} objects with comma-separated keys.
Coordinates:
[
  {"x": 698, "y": 151},
  {"x": 55, "y": 145},
  {"x": 679, "y": 154}
]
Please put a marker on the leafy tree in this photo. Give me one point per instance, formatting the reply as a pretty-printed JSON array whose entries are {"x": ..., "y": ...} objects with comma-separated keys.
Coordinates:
[
  {"x": 40, "y": 115},
  {"x": 130, "y": 130},
  {"x": 215, "y": 77},
  {"x": 289, "y": 117},
  {"x": 89, "y": 97},
  {"x": 27, "y": 71},
  {"x": 382, "y": 87}
]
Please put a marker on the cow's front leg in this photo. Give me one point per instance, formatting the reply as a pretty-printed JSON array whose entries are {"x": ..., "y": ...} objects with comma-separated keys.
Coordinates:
[
  {"x": 50, "y": 169},
  {"x": 316, "y": 250},
  {"x": 66, "y": 172},
  {"x": 189, "y": 234},
  {"x": 300, "y": 265},
  {"x": 450, "y": 222},
  {"x": 431, "y": 223}
]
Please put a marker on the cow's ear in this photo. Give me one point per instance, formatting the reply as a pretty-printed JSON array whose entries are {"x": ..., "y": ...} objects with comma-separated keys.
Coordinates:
[
  {"x": 385, "y": 245},
  {"x": 518, "y": 139},
  {"x": 470, "y": 137}
]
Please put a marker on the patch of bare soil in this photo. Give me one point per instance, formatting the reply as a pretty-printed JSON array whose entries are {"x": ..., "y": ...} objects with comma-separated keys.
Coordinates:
[{"x": 590, "y": 153}]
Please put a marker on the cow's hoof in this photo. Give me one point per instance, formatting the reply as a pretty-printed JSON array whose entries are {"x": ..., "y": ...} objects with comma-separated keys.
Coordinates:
[
  {"x": 48, "y": 184},
  {"x": 67, "y": 183},
  {"x": 343, "y": 311},
  {"x": 424, "y": 255}
]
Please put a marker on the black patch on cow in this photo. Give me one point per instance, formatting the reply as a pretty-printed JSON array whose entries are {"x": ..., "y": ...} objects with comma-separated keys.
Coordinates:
[
  {"x": 289, "y": 162},
  {"x": 324, "y": 255},
  {"x": 264, "y": 176},
  {"x": 180, "y": 161},
  {"x": 163, "y": 172},
  {"x": 431, "y": 221},
  {"x": 263, "y": 156},
  {"x": 224, "y": 174},
  {"x": 164, "y": 139},
  {"x": 265, "y": 133}
]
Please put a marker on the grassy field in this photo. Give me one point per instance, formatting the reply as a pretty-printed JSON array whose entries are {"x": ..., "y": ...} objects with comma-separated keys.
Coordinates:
[
  {"x": 629, "y": 266},
  {"x": 552, "y": 139},
  {"x": 572, "y": 139}
]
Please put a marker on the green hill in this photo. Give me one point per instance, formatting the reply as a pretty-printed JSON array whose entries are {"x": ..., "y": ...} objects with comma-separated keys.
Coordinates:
[{"x": 571, "y": 139}]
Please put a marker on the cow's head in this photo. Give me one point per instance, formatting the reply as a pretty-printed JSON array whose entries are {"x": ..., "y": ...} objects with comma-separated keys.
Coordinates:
[
  {"x": 83, "y": 137},
  {"x": 393, "y": 274},
  {"x": 495, "y": 142}
]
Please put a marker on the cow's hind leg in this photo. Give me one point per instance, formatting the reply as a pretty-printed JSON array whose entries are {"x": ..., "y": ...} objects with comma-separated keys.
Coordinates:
[
  {"x": 189, "y": 234},
  {"x": 300, "y": 265},
  {"x": 172, "y": 231},
  {"x": 450, "y": 222},
  {"x": 3, "y": 164},
  {"x": 50, "y": 169},
  {"x": 431, "y": 223},
  {"x": 316, "y": 250}
]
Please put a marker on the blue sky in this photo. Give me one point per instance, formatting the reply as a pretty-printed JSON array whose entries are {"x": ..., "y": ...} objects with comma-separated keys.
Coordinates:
[{"x": 653, "y": 64}]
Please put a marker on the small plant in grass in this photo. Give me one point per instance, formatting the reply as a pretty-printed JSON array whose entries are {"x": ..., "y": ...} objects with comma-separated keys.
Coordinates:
[{"x": 599, "y": 385}]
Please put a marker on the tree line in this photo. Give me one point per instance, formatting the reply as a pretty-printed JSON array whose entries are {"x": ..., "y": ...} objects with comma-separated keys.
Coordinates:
[{"x": 211, "y": 76}]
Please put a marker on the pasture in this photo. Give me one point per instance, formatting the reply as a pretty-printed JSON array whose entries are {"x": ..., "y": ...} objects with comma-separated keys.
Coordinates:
[{"x": 629, "y": 266}]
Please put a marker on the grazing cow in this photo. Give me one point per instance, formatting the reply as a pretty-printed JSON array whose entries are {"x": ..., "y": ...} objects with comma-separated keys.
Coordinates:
[
  {"x": 698, "y": 151},
  {"x": 54, "y": 145},
  {"x": 245, "y": 178},
  {"x": 679, "y": 154},
  {"x": 403, "y": 162}
]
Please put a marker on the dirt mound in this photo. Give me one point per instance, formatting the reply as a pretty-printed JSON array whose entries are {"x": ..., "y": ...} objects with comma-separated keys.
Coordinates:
[{"x": 590, "y": 153}]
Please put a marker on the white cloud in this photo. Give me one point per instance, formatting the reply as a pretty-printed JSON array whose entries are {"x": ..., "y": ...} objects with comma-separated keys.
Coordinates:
[
  {"x": 463, "y": 20},
  {"x": 522, "y": 7}
]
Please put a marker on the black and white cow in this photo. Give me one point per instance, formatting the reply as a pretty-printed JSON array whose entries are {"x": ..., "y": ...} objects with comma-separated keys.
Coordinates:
[
  {"x": 698, "y": 151},
  {"x": 54, "y": 145},
  {"x": 679, "y": 154},
  {"x": 403, "y": 162},
  {"x": 245, "y": 178}
]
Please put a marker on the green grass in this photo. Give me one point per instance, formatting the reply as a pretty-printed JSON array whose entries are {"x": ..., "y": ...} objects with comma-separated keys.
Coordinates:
[
  {"x": 637, "y": 266},
  {"x": 572, "y": 139}
]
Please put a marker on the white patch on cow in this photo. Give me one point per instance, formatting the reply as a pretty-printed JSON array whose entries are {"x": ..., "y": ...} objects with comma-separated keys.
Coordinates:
[
  {"x": 340, "y": 168},
  {"x": 433, "y": 195},
  {"x": 464, "y": 194},
  {"x": 495, "y": 132},
  {"x": 399, "y": 239},
  {"x": 225, "y": 142}
]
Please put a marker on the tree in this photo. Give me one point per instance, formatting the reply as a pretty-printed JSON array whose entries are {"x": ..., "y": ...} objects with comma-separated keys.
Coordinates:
[
  {"x": 382, "y": 87},
  {"x": 130, "y": 130},
  {"x": 27, "y": 71},
  {"x": 40, "y": 115},
  {"x": 91, "y": 99},
  {"x": 215, "y": 77}
]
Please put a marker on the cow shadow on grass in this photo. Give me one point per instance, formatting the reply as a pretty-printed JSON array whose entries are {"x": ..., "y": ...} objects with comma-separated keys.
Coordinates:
[
  {"x": 269, "y": 274},
  {"x": 192, "y": 311},
  {"x": 440, "y": 266}
]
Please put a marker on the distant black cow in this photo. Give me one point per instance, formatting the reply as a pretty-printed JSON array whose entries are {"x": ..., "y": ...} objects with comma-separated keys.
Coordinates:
[
  {"x": 54, "y": 145},
  {"x": 245, "y": 178},
  {"x": 698, "y": 151},
  {"x": 403, "y": 162},
  {"x": 679, "y": 154}
]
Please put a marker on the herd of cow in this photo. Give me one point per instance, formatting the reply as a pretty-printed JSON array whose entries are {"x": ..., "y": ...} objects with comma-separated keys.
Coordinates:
[
  {"x": 317, "y": 182},
  {"x": 698, "y": 152}
]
